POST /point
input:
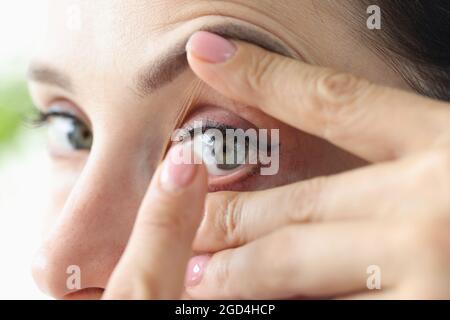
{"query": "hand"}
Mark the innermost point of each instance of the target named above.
(317, 238)
(154, 262)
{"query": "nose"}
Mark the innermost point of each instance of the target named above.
(93, 228)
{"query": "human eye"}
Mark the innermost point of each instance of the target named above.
(224, 149)
(228, 153)
(66, 132)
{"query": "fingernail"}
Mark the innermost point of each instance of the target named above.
(176, 174)
(210, 47)
(195, 270)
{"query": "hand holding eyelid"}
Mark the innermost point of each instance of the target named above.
(154, 262)
(352, 113)
(316, 238)
(349, 112)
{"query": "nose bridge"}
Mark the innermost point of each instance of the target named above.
(94, 226)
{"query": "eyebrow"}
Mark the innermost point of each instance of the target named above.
(45, 74)
(167, 67)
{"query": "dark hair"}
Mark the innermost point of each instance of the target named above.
(415, 35)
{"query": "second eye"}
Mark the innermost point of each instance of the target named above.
(66, 133)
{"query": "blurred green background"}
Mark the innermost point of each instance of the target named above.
(16, 111)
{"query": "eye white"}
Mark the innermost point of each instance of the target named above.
(59, 129)
(68, 134)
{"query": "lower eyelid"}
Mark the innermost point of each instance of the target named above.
(232, 182)
(244, 172)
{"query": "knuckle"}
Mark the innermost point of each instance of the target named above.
(335, 97)
(230, 220)
(263, 69)
(337, 89)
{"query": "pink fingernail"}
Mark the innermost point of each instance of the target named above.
(195, 270)
(210, 47)
(175, 174)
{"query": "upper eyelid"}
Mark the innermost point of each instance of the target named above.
(208, 124)
(45, 100)
(212, 124)
(43, 118)
(60, 114)
(70, 109)
(188, 129)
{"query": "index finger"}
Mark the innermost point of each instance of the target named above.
(154, 262)
(374, 122)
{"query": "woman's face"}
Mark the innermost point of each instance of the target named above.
(114, 83)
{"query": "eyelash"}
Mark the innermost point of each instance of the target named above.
(42, 118)
(211, 124)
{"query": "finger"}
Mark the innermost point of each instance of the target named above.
(154, 262)
(389, 294)
(373, 122)
(233, 219)
(311, 261)
(415, 289)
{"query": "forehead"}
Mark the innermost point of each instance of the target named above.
(102, 38)
(102, 30)
(107, 27)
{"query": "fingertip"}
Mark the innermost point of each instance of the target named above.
(210, 48)
(195, 269)
(180, 170)
(176, 174)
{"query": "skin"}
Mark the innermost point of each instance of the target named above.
(100, 194)
(395, 215)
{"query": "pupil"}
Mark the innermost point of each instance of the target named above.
(80, 138)
(86, 135)
(229, 163)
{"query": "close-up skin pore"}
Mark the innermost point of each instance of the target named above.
(115, 79)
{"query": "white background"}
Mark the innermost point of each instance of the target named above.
(23, 169)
